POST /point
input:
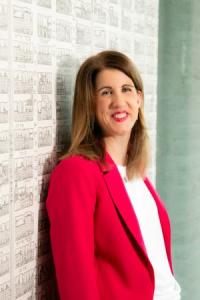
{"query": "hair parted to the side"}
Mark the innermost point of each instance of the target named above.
(86, 135)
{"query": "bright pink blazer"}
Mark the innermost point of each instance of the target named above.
(97, 245)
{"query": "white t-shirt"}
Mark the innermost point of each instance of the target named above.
(166, 286)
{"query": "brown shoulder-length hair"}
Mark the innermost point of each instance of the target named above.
(86, 135)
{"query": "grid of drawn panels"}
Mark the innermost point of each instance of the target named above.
(5, 239)
(42, 43)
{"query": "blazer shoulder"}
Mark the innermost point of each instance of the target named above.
(75, 165)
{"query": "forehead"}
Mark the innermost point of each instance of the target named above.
(112, 77)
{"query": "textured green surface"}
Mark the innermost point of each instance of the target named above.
(178, 129)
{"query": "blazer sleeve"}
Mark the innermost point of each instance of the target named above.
(70, 206)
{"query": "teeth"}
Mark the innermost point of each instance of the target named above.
(120, 116)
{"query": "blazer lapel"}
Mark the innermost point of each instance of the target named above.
(121, 200)
(164, 221)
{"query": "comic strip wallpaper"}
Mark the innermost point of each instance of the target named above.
(42, 43)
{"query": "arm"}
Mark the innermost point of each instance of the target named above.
(70, 205)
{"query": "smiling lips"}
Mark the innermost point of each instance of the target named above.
(120, 116)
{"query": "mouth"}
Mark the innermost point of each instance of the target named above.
(120, 116)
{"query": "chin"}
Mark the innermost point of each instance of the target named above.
(123, 133)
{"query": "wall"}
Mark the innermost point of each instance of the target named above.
(42, 43)
(178, 128)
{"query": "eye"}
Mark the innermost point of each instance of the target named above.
(106, 92)
(126, 89)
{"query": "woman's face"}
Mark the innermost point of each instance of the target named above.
(117, 103)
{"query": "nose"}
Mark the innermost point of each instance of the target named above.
(117, 99)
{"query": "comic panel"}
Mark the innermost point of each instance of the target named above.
(113, 40)
(23, 52)
(24, 284)
(23, 108)
(83, 34)
(45, 3)
(23, 195)
(44, 26)
(63, 30)
(126, 20)
(23, 20)
(4, 202)
(4, 168)
(24, 254)
(100, 37)
(63, 82)
(4, 16)
(64, 7)
(23, 82)
(100, 11)
(45, 136)
(113, 15)
(24, 225)
(4, 262)
(4, 234)
(64, 58)
(4, 109)
(3, 49)
(44, 83)
(44, 55)
(23, 139)
(5, 291)
(4, 81)
(83, 9)
(4, 142)
(44, 107)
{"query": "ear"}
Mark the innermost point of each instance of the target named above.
(139, 98)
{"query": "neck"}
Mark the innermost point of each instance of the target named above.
(117, 148)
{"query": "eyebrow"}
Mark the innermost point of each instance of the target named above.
(110, 87)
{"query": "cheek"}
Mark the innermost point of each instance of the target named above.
(135, 103)
(101, 107)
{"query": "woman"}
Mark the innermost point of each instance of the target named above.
(110, 232)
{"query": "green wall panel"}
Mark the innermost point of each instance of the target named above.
(178, 135)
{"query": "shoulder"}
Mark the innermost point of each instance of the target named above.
(73, 181)
(76, 166)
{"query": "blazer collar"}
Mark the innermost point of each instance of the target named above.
(122, 203)
(121, 199)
